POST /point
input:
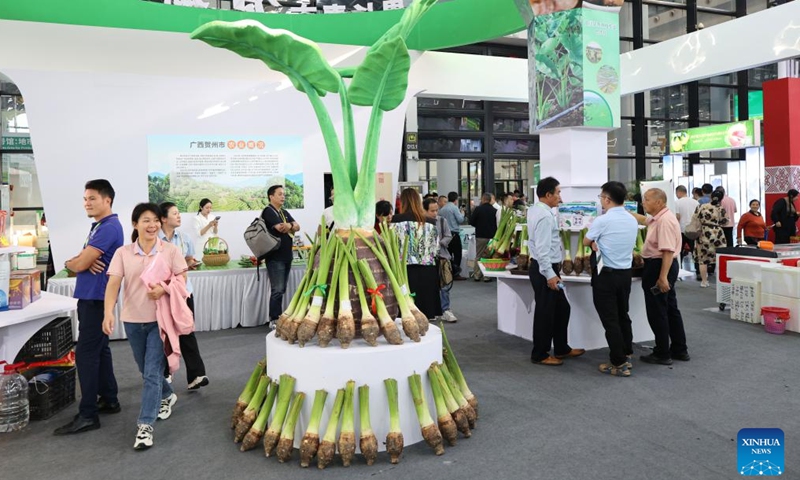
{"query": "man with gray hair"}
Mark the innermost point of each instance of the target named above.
(661, 251)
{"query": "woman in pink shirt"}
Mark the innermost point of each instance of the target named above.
(139, 313)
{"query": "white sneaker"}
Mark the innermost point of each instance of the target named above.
(448, 316)
(166, 407)
(198, 382)
(144, 437)
(169, 379)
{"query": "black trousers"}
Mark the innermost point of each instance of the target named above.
(93, 359)
(550, 316)
(611, 290)
(752, 240)
(663, 314)
(728, 231)
(190, 352)
(455, 248)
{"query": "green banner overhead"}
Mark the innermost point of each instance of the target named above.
(726, 136)
(449, 24)
(574, 69)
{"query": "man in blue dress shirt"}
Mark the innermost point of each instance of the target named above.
(613, 236)
(552, 310)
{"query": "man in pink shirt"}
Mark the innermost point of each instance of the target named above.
(661, 251)
(729, 205)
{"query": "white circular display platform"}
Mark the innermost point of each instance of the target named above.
(330, 368)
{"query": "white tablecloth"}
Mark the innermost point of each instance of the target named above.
(222, 298)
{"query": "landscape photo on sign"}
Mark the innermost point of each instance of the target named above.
(233, 171)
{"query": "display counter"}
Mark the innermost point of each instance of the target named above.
(224, 297)
(331, 367)
(18, 326)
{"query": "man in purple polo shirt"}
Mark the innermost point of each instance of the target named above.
(92, 355)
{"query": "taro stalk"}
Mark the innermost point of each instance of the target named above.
(347, 436)
(463, 404)
(410, 324)
(285, 390)
(250, 413)
(308, 327)
(446, 424)
(310, 442)
(286, 442)
(369, 325)
(380, 82)
(345, 323)
(256, 432)
(298, 294)
(389, 328)
(462, 424)
(247, 393)
(430, 432)
(368, 442)
(328, 446)
(394, 439)
(327, 324)
(455, 371)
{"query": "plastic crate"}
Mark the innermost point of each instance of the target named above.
(52, 341)
(48, 398)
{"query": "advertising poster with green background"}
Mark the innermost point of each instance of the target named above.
(234, 171)
(575, 77)
(601, 71)
(724, 136)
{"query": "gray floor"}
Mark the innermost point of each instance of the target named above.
(569, 422)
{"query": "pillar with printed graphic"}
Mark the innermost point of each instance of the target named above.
(781, 140)
(574, 89)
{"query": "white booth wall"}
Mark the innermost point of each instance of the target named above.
(93, 95)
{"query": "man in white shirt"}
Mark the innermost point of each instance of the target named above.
(684, 211)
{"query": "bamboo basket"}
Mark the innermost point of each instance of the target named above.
(216, 257)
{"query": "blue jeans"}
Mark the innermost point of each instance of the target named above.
(444, 294)
(278, 272)
(148, 351)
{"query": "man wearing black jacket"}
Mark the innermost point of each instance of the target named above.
(485, 223)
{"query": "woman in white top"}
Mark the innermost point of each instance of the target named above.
(205, 224)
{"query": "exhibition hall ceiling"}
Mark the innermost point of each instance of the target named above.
(448, 24)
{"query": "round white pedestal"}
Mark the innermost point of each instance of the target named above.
(330, 368)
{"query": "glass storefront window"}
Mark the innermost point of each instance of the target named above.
(511, 125)
(516, 146)
(623, 170)
(663, 22)
(716, 104)
(12, 115)
(670, 102)
(469, 124)
(711, 19)
(445, 145)
(449, 103)
(427, 173)
(19, 171)
(620, 142)
(517, 174)
(757, 76)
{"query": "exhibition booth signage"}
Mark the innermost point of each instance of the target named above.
(574, 68)
(724, 136)
(17, 143)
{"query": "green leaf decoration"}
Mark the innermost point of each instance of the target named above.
(382, 78)
(298, 58)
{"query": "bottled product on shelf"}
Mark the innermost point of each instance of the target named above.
(14, 407)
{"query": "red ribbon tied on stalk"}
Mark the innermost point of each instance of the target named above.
(375, 292)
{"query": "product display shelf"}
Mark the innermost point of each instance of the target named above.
(18, 326)
(330, 368)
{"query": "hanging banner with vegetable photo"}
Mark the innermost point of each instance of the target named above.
(574, 64)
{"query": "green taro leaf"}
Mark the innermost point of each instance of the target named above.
(382, 78)
(298, 58)
(546, 65)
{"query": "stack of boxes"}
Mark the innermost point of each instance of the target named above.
(755, 284)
